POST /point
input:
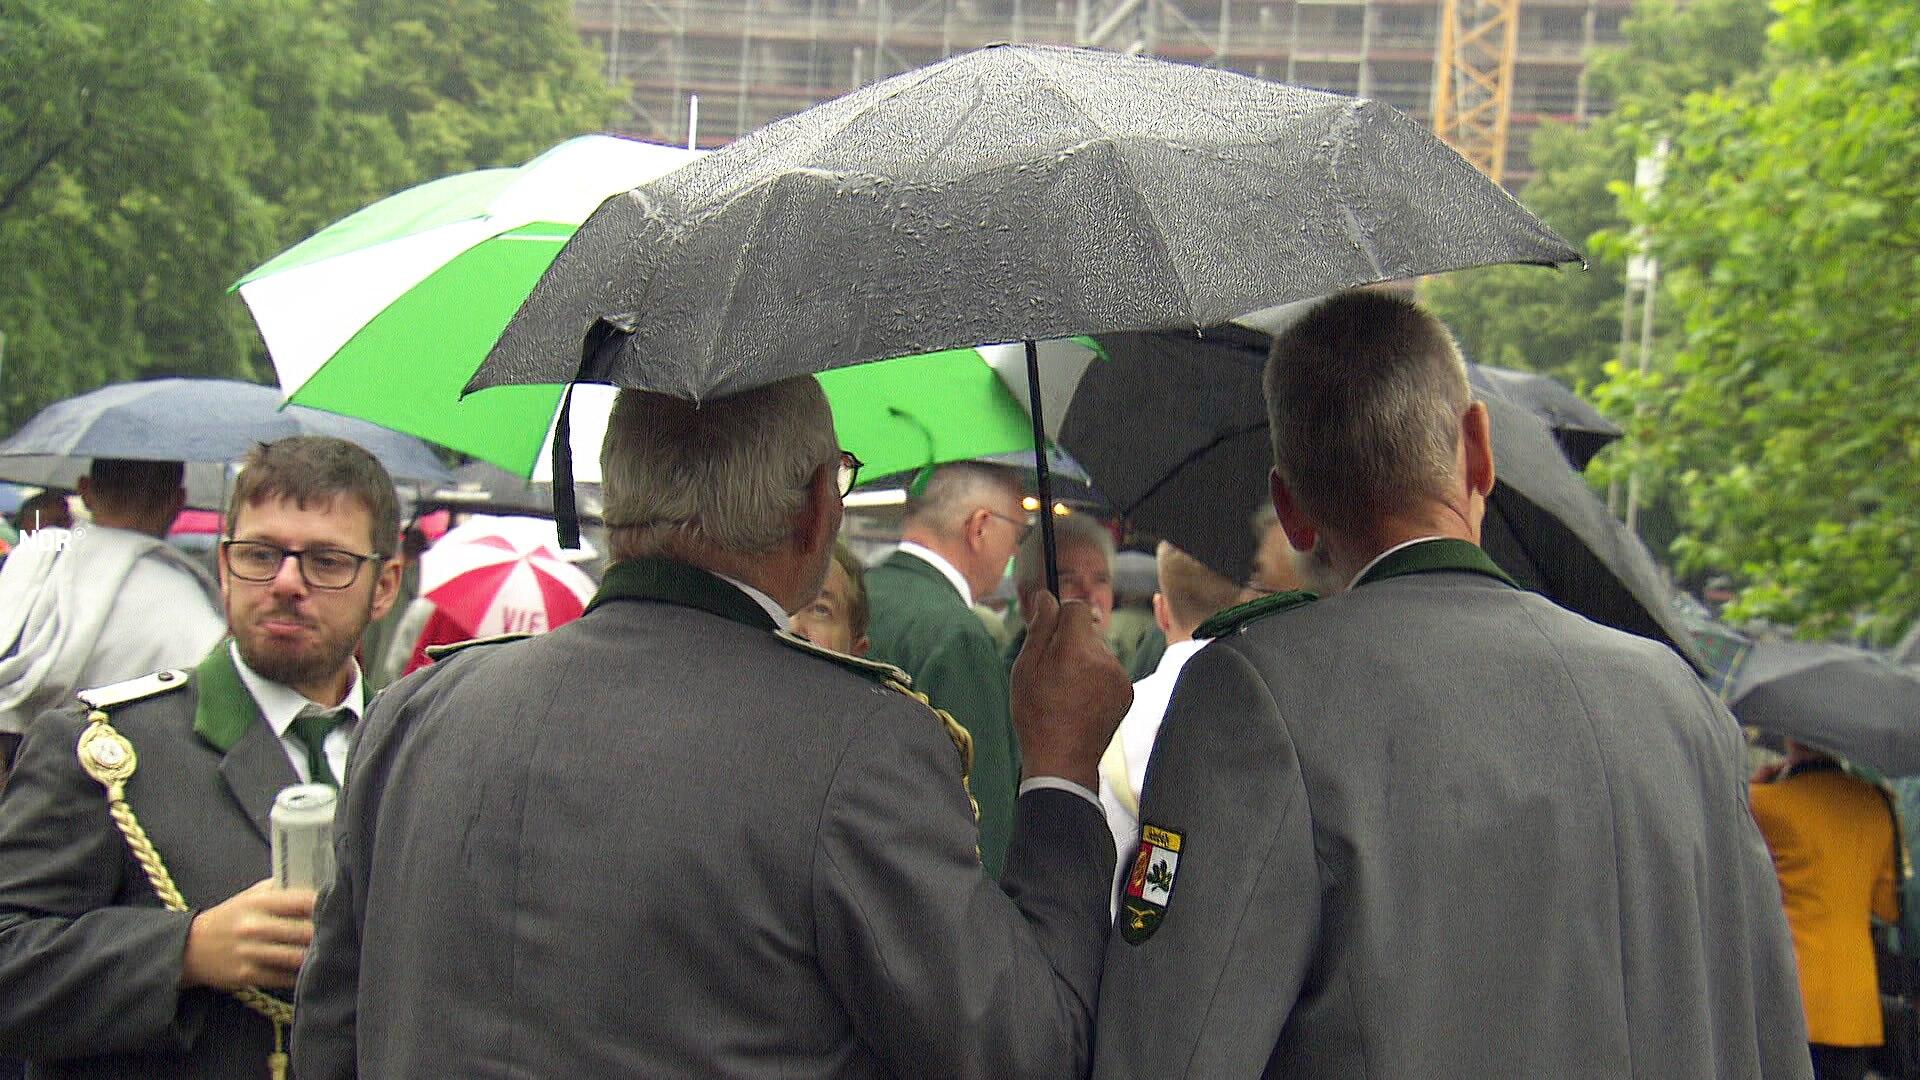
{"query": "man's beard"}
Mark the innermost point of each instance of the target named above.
(293, 667)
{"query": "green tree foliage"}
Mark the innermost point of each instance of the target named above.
(150, 154)
(1567, 324)
(1786, 425)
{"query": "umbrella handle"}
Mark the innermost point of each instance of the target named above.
(1043, 477)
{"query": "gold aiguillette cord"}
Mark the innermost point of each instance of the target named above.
(108, 757)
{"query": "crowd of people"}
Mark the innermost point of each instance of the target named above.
(765, 811)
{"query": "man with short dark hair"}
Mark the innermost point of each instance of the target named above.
(104, 602)
(137, 934)
(1435, 825)
(43, 510)
(1189, 595)
(961, 529)
(668, 839)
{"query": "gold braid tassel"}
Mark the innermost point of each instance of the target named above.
(108, 757)
(962, 742)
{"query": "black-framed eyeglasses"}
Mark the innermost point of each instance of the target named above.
(1020, 527)
(849, 472)
(320, 568)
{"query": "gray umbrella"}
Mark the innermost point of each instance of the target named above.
(1013, 193)
(1173, 430)
(482, 488)
(192, 420)
(1848, 702)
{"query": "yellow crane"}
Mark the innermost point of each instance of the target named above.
(1473, 79)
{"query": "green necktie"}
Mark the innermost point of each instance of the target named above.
(312, 727)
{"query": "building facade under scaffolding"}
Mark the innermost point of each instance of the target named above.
(750, 62)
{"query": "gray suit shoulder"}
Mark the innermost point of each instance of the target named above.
(114, 695)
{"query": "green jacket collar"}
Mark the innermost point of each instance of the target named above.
(919, 567)
(224, 710)
(671, 582)
(1435, 556)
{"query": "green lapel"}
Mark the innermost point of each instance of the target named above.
(1434, 556)
(677, 583)
(225, 710)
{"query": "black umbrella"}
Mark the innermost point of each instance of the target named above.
(191, 420)
(1848, 702)
(1173, 430)
(1013, 193)
(1576, 425)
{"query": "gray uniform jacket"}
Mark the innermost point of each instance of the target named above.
(1439, 827)
(89, 960)
(660, 842)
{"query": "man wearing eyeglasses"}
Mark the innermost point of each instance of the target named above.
(98, 977)
(962, 527)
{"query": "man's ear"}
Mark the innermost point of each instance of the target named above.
(386, 588)
(1162, 617)
(85, 490)
(973, 527)
(816, 523)
(1300, 532)
(1476, 442)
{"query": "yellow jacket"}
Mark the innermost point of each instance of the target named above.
(1832, 841)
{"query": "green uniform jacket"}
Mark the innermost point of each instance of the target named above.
(921, 625)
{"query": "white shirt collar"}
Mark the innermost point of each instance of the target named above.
(280, 703)
(1389, 551)
(934, 559)
(1177, 654)
(774, 611)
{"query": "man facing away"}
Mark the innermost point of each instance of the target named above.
(1189, 594)
(98, 978)
(1833, 840)
(1436, 826)
(961, 528)
(102, 603)
(667, 839)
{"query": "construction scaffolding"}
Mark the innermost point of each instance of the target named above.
(750, 62)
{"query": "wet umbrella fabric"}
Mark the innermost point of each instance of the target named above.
(1173, 430)
(191, 420)
(1013, 193)
(385, 313)
(1848, 702)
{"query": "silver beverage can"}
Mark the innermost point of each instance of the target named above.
(302, 826)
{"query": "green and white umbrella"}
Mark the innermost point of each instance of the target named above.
(385, 314)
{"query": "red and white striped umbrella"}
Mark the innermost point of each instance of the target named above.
(502, 575)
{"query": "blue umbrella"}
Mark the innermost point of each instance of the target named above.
(191, 420)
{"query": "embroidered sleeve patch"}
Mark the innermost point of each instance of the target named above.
(1149, 883)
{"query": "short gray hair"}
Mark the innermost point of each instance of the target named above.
(727, 474)
(1364, 397)
(954, 491)
(1073, 530)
